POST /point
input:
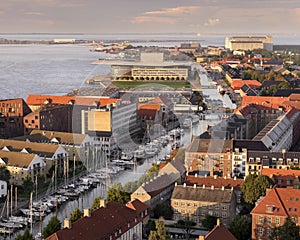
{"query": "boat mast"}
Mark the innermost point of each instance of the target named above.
(31, 220)
(8, 199)
(16, 197)
(11, 199)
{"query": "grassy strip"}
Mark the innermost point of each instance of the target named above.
(137, 84)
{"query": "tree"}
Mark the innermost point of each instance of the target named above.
(254, 187)
(4, 174)
(209, 222)
(289, 230)
(240, 227)
(96, 203)
(77, 214)
(26, 235)
(161, 229)
(163, 210)
(116, 193)
(186, 224)
(130, 187)
(53, 226)
(27, 184)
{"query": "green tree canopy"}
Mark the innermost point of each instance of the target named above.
(26, 235)
(240, 227)
(209, 222)
(53, 226)
(4, 174)
(254, 187)
(77, 214)
(116, 193)
(289, 230)
(163, 210)
(96, 203)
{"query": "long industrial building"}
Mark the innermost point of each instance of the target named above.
(249, 43)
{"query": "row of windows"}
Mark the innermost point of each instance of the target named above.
(209, 206)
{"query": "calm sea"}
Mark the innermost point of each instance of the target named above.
(57, 69)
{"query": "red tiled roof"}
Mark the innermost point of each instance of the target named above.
(282, 201)
(218, 182)
(150, 106)
(237, 84)
(268, 101)
(34, 99)
(219, 232)
(137, 205)
(283, 174)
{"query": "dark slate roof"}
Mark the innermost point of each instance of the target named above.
(285, 92)
(202, 194)
(250, 145)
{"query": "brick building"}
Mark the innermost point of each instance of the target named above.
(12, 112)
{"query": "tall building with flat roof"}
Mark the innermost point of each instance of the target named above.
(249, 43)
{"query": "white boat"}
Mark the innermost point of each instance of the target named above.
(127, 156)
(139, 154)
(187, 123)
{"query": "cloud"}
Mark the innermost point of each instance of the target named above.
(212, 22)
(165, 15)
(34, 13)
(177, 11)
(153, 19)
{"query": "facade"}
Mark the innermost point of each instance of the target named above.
(111, 221)
(12, 112)
(239, 160)
(175, 169)
(21, 164)
(285, 178)
(213, 155)
(157, 190)
(113, 125)
(249, 43)
(272, 210)
(259, 160)
(51, 154)
(3, 189)
(74, 143)
(151, 67)
(197, 202)
(52, 118)
(218, 183)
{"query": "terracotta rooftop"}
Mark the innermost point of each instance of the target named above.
(36, 99)
(217, 182)
(275, 102)
(279, 202)
(219, 232)
(237, 84)
(149, 106)
(137, 205)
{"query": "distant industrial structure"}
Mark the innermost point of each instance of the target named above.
(249, 43)
(150, 67)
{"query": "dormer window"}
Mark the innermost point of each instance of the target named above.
(269, 208)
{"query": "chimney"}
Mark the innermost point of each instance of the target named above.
(201, 237)
(195, 185)
(86, 212)
(212, 187)
(223, 188)
(234, 178)
(225, 177)
(175, 184)
(215, 176)
(218, 221)
(196, 175)
(67, 223)
(184, 185)
(203, 186)
(205, 175)
(102, 203)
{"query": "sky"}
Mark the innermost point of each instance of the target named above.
(150, 16)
